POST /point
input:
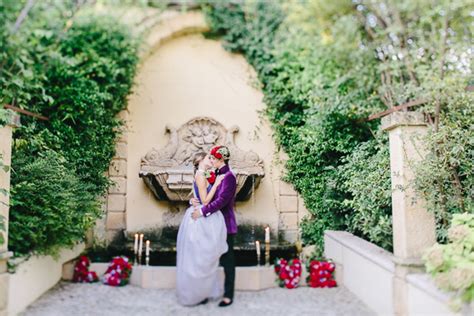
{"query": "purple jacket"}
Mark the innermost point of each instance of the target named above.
(224, 200)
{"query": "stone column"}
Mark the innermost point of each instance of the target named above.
(413, 225)
(116, 199)
(5, 153)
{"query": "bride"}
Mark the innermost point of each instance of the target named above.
(200, 243)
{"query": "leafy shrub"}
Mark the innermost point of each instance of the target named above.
(452, 264)
(366, 176)
(446, 177)
(51, 206)
(77, 71)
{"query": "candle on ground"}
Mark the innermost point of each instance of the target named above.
(135, 244)
(147, 249)
(140, 247)
(267, 234)
(257, 246)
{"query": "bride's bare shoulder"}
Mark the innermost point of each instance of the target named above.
(199, 175)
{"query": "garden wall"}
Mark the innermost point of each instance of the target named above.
(36, 275)
(368, 270)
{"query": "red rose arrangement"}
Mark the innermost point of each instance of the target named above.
(321, 274)
(82, 273)
(118, 272)
(210, 176)
(289, 273)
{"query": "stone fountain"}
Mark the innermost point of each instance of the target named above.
(168, 172)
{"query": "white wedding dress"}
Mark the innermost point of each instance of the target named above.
(199, 246)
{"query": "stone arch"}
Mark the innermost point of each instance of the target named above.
(286, 206)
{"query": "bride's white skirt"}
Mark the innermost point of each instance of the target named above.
(199, 246)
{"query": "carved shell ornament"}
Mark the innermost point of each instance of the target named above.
(168, 172)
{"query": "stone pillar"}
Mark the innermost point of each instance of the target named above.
(413, 225)
(288, 217)
(5, 153)
(115, 221)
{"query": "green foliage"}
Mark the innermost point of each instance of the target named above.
(51, 206)
(316, 95)
(324, 67)
(366, 176)
(77, 71)
(452, 264)
(446, 177)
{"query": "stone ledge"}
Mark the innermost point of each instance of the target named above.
(253, 278)
(371, 252)
(425, 298)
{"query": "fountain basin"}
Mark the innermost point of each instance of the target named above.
(168, 172)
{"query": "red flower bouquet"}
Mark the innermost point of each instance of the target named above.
(289, 273)
(210, 176)
(118, 272)
(82, 273)
(321, 274)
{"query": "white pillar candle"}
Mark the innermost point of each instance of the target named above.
(147, 248)
(267, 234)
(140, 247)
(135, 244)
(257, 247)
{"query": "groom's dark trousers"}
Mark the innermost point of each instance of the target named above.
(228, 262)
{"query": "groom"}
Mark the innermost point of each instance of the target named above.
(223, 200)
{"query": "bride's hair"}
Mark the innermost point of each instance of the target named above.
(198, 157)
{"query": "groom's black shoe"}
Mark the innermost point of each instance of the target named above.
(204, 301)
(225, 304)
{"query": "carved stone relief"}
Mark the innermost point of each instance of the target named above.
(168, 172)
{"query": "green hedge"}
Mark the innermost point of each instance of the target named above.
(78, 77)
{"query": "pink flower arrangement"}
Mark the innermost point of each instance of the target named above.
(82, 273)
(321, 274)
(118, 273)
(289, 273)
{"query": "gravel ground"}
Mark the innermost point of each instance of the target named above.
(97, 299)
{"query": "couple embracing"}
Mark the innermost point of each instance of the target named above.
(206, 234)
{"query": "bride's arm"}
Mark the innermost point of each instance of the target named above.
(213, 190)
(201, 182)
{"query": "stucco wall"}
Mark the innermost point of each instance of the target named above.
(184, 78)
(35, 276)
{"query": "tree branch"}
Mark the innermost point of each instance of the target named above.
(23, 14)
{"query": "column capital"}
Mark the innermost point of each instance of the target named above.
(397, 119)
(13, 119)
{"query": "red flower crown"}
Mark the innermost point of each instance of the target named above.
(220, 152)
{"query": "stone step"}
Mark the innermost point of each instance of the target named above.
(162, 277)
